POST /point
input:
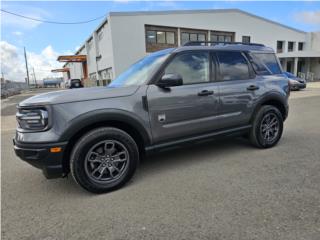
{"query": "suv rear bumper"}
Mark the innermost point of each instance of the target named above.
(40, 156)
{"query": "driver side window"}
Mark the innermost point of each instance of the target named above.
(192, 67)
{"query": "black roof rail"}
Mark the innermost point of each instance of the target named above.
(212, 43)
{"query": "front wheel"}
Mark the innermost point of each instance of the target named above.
(267, 127)
(104, 160)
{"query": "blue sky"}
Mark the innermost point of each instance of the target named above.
(45, 41)
(67, 37)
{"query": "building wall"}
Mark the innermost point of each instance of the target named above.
(128, 30)
(105, 48)
(315, 68)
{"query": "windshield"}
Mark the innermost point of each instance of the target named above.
(140, 72)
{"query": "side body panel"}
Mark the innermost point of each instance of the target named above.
(180, 112)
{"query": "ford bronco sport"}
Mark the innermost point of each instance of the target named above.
(171, 97)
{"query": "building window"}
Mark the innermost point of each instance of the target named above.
(100, 34)
(162, 37)
(222, 36)
(280, 46)
(290, 46)
(170, 38)
(158, 37)
(90, 43)
(246, 39)
(151, 37)
(300, 46)
(192, 35)
(93, 76)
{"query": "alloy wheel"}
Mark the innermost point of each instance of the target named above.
(106, 161)
(269, 128)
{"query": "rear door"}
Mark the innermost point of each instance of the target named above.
(238, 88)
(189, 109)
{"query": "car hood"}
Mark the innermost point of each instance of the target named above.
(77, 95)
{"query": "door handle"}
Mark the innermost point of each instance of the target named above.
(252, 88)
(205, 93)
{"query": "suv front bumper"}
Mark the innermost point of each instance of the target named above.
(41, 156)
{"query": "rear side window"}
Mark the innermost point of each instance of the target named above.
(233, 66)
(265, 63)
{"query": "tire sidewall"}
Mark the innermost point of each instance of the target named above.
(78, 156)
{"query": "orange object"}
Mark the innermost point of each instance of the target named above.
(60, 70)
(72, 58)
(55, 149)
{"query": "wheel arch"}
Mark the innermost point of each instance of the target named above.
(274, 100)
(95, 119)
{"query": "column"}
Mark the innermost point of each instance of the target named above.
(295, 66)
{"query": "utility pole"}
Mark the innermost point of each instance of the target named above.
(34, 75)
(25, 58)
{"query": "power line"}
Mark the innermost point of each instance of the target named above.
(52, 22)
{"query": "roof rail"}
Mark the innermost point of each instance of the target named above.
(212, 43)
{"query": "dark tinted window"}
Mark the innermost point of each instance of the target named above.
(300, 46)
(290, 46)
(265, 63)
(233, 66)
(192, 67)
(246, 39)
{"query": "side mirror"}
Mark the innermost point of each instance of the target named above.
(170, 80)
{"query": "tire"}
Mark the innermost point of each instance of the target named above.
(107, 151)
(258, 133)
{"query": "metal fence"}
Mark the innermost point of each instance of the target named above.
(11, 88)
(309, 76)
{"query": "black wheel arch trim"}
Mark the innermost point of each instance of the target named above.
(104, 115)
(273, 96)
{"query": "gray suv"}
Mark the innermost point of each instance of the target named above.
(169, 98)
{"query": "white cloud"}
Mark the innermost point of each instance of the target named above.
(17, 33)
(23, 23)
(13, 65)
(308, 17)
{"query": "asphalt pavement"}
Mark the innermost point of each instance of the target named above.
(223, 189)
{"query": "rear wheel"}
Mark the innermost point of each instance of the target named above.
(104, 160)
(267, 127)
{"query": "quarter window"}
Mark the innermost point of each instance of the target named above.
(192, 67)
(233, 66)
(265, 63)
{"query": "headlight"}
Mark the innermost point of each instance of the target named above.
(32, 119)
(292, 82)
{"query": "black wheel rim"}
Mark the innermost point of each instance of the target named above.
(106, 161)
(269, 128)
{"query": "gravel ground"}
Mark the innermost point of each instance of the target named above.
(219, 190)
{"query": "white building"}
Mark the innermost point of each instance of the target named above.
(125, 37)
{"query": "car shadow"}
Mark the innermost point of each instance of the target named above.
(164, 161)
(189, 155)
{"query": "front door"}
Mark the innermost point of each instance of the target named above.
(189, 109)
